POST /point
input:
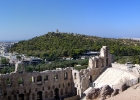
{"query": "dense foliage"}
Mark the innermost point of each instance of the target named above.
(53, 45)
(123, 59)
(50, 66)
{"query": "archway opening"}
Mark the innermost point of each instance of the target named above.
(106, 61)
(75, 91)
(21, 96)
(39, 95)
(39, 78)
(56, 91)
(90, 80)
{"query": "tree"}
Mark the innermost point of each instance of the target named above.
(18, 57)
(4, 61)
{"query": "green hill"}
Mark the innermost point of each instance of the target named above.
(53, 45)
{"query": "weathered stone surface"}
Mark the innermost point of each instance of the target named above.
(102, 93)
(106, 90)
(93, 94)
(123, 87)
(116, 91)
(50, 84)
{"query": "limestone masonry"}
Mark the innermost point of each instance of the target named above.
(52, 84)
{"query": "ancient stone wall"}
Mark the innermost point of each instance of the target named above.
(51, 84)
(30, 86)
(84, 78)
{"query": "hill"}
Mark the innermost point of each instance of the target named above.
(53, 45)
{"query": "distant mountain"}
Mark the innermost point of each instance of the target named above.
(53, 45)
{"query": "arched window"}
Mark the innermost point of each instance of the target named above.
(46, 94)
(32, 79)
(53, 86)
(68, 84)
(65, 75)
(48, 87)
(8, 82)
(74, 75)
(96, 63)
(59, 86)
(90, 78)
(20, 81)
(61, 91)
(106, 61)
(56, 77)
(51, 93)
(9, 98)
(46, 78)
(106, 52)
(66, 90)
(39, 78)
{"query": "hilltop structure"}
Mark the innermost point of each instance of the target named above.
(52, 84)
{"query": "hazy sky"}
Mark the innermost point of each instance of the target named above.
(24, 19)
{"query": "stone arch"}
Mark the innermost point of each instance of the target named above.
(21, 96)
(8, 81)
(46, 94)
(106, 61)
(48, 87)
(20, 81)
(27, 96)
(106, 51)
(90, 78)
(9, 98)
(56, 93)
(46, 78)
(68, 84)
(61, 91)
(75, 91)
(66, 90)
(56, 77)
(96, 63)
(33, 96)
(39, 78)
(63, 85)
(59, 85)
(74, 75)
(39, 95)
(32, 79)
(15, 97)
(65, 75)
(51, 93)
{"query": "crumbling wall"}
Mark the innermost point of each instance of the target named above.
(28, 85)
(96, 66)
(52, 84)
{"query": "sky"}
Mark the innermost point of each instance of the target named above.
(25, 19)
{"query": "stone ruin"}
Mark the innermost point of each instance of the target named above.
(52, 84)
